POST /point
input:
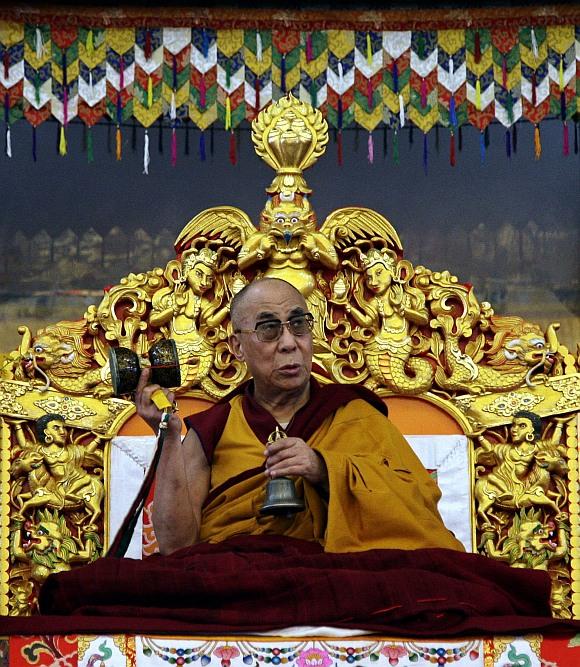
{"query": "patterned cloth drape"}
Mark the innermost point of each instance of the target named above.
(438, 72)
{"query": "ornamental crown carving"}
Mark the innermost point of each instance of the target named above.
(289, 136)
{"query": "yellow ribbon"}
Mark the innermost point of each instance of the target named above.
(118, 143)
(369, 50)
(90, 43)
(62, 141)
(149, 92)
(478, 95)
(228, 113)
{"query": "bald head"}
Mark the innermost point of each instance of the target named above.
(261, 288)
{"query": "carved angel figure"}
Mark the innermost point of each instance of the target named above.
(56, 472)
(389, 313)
(526, 470)
(188, 312)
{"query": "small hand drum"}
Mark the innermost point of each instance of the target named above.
(126, 367)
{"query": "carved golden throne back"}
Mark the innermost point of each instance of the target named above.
(504, 391)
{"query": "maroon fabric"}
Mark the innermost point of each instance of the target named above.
(324, 401)
(255, 583)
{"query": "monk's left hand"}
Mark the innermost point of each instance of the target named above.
(289, 457)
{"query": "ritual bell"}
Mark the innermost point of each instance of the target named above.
(126, 367)
(281, 497)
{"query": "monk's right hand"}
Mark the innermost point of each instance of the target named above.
(148, 411)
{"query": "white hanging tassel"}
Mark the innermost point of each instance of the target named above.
(173, 110)
(39, 44)
(401, 111)
(8, 142)
(534, 44)
(146, 157)
(340, 75)
(259, 54)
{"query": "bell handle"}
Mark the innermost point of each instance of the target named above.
(161, 401)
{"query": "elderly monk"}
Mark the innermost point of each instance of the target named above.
(362, 484)
(364, 491)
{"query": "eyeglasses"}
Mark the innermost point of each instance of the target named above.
(271, 330)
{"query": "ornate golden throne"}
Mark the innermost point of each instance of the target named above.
(445, 363)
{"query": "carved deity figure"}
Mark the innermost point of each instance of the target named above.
(56, 472)
(188, 312)
(525, 470)
(389, 313)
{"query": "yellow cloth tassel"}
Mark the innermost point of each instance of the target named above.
(90, 44)
(62, 142)
(478, 95)
(561, 73)
(228, 113)
(118, 139)
(537, 143)
(149, 92)
(369, 50)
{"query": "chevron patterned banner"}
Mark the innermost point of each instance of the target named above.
(562, 74)
(175, 86)
(451, 72)
(423, 107)
(340, 78)
(11, 75)
(313, 70)
(507, 75)
(480, 85)
(231, 78)
(368, 76)
(286, 47)
(203, 82)
(368, 63)
(65, 72)
(396, 77)
(37, 74)
(258, 71)
(148, 75)
(92, 75)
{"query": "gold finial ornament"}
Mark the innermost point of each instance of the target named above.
(289, 136)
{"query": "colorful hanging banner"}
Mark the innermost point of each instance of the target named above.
(424, 100)
(507, 74)
(231, 78)
(430, 75)
(148, 78)
(368, 79)
(258, 71)
(396, 77)
(203, 82)
(92, 75)
(480, 84)
(286, 47)
(37, 74)
(314, 69)
(340, 78)
(11, 75)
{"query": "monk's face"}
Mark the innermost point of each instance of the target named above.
(281, 365)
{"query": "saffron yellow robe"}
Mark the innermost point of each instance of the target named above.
(381, 496)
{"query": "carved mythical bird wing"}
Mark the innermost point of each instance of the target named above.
(345, 226)
(227, 223)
